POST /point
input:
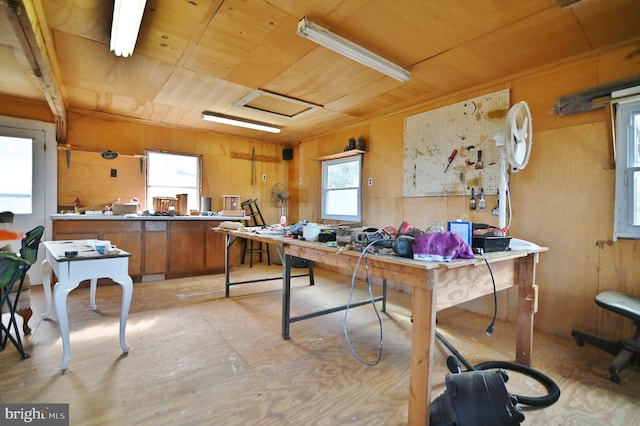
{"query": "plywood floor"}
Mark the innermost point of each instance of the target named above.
(197, 358)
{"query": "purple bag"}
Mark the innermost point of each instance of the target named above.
(441, 247)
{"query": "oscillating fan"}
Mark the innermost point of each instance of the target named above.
(515, 148)
(279, 197)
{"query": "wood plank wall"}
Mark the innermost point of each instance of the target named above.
(563, 199)
(86, 176)
(222, 173)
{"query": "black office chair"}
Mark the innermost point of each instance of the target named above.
(626, 351)
(255, 219)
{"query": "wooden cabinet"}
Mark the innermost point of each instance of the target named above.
(214, 247)
(215, 243)
(168, 248)
(127, 235)
(156, 247)
(187, 241)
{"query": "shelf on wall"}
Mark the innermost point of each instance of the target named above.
(342, 154)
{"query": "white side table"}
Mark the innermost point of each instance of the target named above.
(71, 270)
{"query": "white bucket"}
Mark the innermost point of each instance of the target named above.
(310, 231)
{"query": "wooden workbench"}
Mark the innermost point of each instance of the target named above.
(435, 285)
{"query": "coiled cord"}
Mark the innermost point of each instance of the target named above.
(363, 255)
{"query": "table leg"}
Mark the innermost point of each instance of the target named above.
(422, 346)
(227, 247)
(127, 292)
(46, 285)
(384, 295)
(60, 293)
(527, 307)
(92, 293)
(286, 293)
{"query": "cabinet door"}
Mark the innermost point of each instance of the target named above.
(155, 247)
(74, 230)
(126, 234)
(215, 249)
(187, 241)
(131, 242)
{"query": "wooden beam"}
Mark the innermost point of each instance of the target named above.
(28, 21)
(265, 158)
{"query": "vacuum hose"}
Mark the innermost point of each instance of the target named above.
(543, 401)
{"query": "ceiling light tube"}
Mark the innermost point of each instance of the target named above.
(127, 16)
(232, 121)
(351, 50)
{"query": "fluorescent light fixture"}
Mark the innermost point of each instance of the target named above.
(127, 16)
(351, 50)
(232, 121)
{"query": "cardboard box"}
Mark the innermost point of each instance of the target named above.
(124, 208)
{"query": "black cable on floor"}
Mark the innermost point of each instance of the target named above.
(495, 300)
(363, 255)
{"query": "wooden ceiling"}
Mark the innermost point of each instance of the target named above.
(206, 55)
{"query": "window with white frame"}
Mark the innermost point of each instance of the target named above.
(342, 189)
(16, 174)
(169, 174)
(627, 195)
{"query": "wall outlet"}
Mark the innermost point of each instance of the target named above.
(264, 178)
(370, 181)
(300, 181)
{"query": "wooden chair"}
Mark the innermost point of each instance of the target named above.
(626, 351)
(255, 219)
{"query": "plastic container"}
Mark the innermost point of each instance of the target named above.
(343, 236)
(310, 231)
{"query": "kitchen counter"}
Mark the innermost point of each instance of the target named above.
(161, 247)
(77, 216)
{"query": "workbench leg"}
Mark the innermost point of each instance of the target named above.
(312, 280)
(286, 293)
(422, 346)
(227, 248)
(527, 307)
(384, 295)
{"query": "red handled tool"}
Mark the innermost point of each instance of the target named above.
(451, 157)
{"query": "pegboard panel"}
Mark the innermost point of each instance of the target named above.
(467, 127)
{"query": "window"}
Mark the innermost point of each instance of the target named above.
(341, 189)
(16, 174)
(169, 174)
(627, 197)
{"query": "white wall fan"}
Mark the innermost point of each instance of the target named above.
(514, 144)
(279, 197)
